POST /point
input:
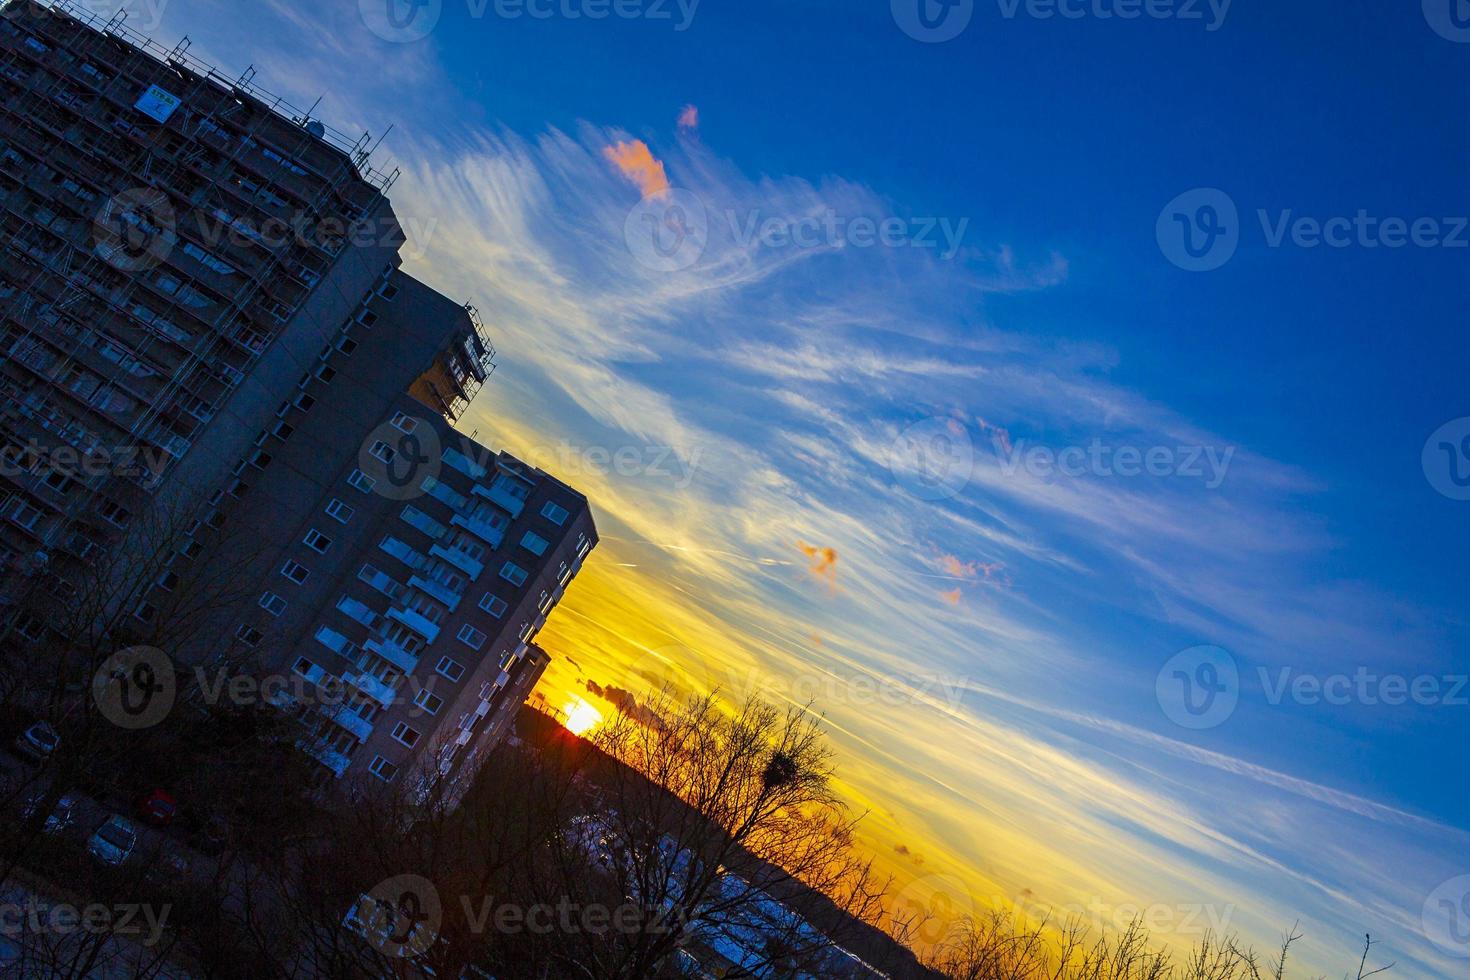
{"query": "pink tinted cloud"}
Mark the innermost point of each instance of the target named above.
(689, 117)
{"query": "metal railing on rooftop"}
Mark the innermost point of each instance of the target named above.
(357, 150)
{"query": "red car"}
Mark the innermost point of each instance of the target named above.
(157, 808)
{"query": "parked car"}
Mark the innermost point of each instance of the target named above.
(58, 819)
(114, 841)
(157, 808)
(38, 742)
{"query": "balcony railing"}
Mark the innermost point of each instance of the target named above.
(459, 560)
(416, 622)
(327, 756)
(499, 497)
(483, 530)
(438, 591)
(345, 717)
(372, 687)
(391, 652)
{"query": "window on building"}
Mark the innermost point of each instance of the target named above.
(296, 572)
(408, 736)
(249, 635)
(471, 637)
(405, 423)
(383, 769)
(361, 481)
(273, 603)
(494, 605)
(450, 668)
(429, 701)
(382, 451)
(340, 511)
(513, 573)
(317, 541)
(535, 543)
(555, 513)
(113, 514)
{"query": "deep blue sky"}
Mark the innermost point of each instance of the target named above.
(784, 380)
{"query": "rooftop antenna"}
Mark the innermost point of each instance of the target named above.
(381, 138)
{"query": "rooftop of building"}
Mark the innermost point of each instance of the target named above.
(358, 151)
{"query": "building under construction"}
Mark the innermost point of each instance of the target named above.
(187, 267)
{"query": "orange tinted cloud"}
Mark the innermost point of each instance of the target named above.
(636, 162)
(689, 117)
(824, 562)
(952, 597)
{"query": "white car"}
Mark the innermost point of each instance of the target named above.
(114, 841)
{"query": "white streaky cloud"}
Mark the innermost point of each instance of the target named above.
(780, 379)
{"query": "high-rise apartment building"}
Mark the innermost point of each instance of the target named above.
(200, 300)
(164, 228)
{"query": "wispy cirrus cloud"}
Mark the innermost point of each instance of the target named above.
(1010, 734)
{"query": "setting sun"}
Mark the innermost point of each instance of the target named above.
(581, 717)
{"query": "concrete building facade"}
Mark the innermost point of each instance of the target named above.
(204, 283)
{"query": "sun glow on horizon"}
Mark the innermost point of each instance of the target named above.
(581, 717)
